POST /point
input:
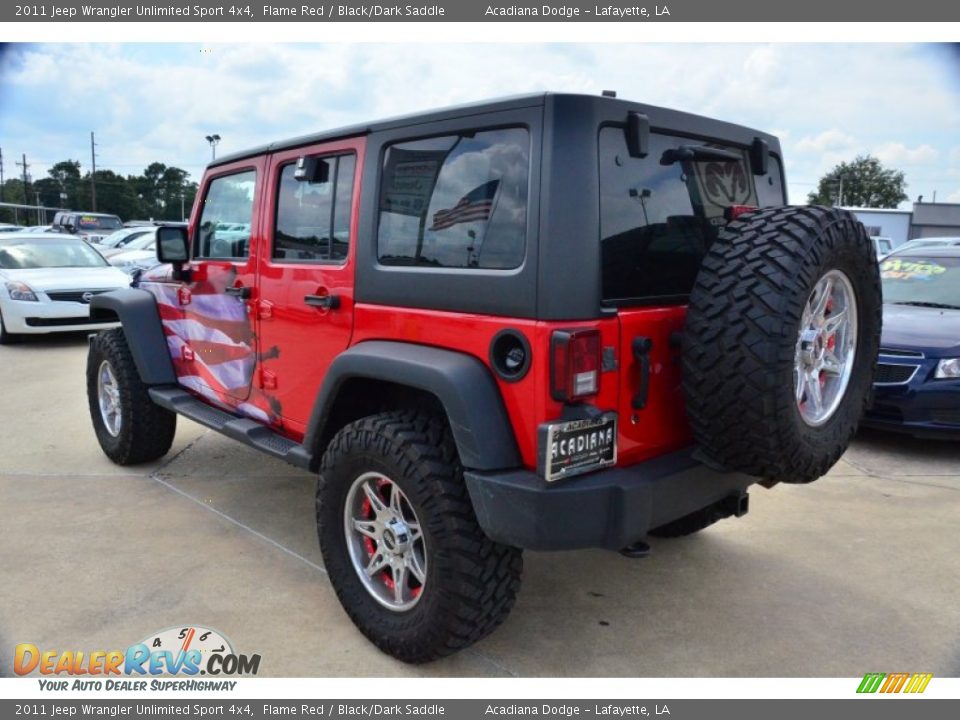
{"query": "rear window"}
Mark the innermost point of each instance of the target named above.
(96, 222)
(456, 201)
(659, 214)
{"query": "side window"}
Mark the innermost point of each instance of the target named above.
(313, 218)
(456, 201)
(224, 230)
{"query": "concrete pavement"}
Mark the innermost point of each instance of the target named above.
(857, 572)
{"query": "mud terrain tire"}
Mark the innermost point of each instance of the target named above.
(471, 582)
(141, 431)
(743, 341)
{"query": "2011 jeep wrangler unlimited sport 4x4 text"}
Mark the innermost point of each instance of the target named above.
(546, 322)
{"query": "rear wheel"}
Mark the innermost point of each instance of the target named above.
(401, 543)
(780, 343)
(130, 427)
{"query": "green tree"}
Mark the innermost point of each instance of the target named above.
(66, 173)
(115, 194)
(865, 182)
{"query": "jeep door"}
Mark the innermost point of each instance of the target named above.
(213, 345)
(305, 309)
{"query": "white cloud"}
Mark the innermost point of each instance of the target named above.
(898, 154)
(157, 102)
(832, 140)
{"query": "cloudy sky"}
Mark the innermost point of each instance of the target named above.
(827, 102)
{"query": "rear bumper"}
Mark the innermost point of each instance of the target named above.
(609, 509)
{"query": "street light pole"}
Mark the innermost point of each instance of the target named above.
(214, 141)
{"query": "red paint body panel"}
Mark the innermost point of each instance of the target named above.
(661, 426)
(297, 342)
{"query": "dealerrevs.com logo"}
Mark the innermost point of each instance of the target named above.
(178, 651)
(894, 682)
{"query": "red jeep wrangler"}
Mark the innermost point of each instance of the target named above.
(546, 322)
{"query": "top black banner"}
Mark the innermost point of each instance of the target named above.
(486, 11)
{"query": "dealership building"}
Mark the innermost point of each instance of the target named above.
(924, 220)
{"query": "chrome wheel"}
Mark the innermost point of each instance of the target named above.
(385, 541)
(108, 397)
(826, 347)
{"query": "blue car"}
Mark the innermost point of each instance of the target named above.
(917, 388)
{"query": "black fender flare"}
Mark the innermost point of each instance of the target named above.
(464, 386)
(137, 311)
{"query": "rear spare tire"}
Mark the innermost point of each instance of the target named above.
(781, 340)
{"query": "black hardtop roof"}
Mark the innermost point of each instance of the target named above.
(506, 103)
(667, 118)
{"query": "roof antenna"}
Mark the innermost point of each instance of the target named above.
(609, 93)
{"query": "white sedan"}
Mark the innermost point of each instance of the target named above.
(136, 256)
(47, 281)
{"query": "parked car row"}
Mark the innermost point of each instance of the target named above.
(47, 281)
(917, 388)
(48, 278)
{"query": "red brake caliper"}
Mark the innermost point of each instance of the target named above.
(366, 510)
(831, 341)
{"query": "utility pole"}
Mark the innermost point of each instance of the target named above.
(24, 166)
(93, 174)
(840, 198)
(25, 196)
(1, 174)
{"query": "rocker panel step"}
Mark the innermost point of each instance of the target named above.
(247, 431)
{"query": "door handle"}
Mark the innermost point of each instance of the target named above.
(327, 302)
(241, 292)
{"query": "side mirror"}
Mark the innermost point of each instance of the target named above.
(312, 170)
(173, 246)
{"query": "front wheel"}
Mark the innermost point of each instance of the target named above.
(130, 427)
(401, 543)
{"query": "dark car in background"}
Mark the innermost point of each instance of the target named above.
(92, 227)
(917, 386)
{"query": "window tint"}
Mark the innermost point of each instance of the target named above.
(226, 216)
(313, 219)
(920, 279)
(457, 201)
(659, 214)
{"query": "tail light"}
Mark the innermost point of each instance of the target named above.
(574, 364)
(732, 212)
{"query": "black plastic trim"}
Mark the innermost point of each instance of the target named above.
(245, 430)
(610, 509)
(463, 385)
(137, 311)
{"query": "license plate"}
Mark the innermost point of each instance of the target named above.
(577, 446)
